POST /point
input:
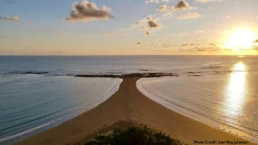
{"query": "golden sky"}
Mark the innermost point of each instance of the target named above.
(135, 27)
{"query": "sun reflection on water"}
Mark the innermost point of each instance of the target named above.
(236, 90)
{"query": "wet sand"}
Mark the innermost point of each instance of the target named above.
(126, 107)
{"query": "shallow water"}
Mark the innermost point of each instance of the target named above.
(32, 103)
(227, 101)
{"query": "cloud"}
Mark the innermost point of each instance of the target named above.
(159, 45)
(184, 33)
(138, 43)
(86, 11)
(148, 33)
(116, 33)
(165, 46)
(256, 41)
(15, 18)
(226, 17)
(212, 44)
(110, 34)
(182, 5)
(139, 23)
(144, 28)
(152, 23)
(147, 24)
(156, 1)
(199, 31)
(190, 44)
(162, 8)
(195, 15)
(255, 45)
(199, 49)
(206, 1)
(185, 45)
(255, 48)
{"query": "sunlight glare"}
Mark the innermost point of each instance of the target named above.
(242, 39)
(236, 90)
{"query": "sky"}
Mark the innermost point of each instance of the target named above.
(128, 27)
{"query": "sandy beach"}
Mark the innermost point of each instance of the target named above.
(126, 107)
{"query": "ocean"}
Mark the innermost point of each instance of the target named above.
(40, 92)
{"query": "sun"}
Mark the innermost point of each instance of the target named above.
(241, 40)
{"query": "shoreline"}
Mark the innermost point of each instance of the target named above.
(126, 107)
(143, 74)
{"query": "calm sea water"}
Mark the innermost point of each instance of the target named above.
(33, 102)
(111, 64)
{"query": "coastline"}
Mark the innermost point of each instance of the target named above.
(126, 107)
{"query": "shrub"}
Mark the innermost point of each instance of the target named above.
(133, 136)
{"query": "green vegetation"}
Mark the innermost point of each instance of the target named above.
(133, 136)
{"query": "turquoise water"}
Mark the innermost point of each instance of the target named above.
(33, 103)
